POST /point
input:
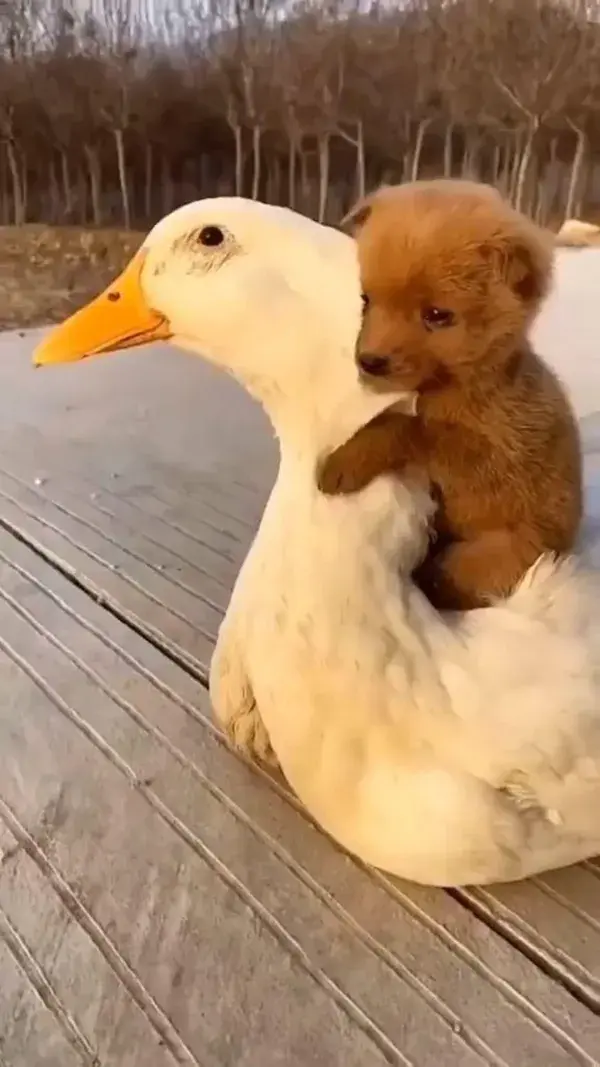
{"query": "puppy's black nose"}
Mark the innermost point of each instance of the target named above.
(369, 363)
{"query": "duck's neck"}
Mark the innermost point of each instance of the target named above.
(315, 421)
(387, 517)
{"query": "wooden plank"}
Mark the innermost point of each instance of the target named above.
(183, 557)
(547, 918)
(30, 1033)
(558, 917)
(152, 786)
(93, 564)
(184, 935)
(146, 490)
(182, 916)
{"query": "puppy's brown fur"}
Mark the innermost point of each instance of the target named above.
(494, 433)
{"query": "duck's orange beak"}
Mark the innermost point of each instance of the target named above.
(118, 318)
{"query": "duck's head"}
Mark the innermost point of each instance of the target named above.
(267, 294)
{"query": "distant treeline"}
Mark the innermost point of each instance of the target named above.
(117, 113)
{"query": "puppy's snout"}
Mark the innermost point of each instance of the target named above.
(376, 365)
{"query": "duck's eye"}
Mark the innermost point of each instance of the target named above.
(365, 301)
(211, 236)
(437, 318)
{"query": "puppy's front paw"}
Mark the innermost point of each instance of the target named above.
(337, 475)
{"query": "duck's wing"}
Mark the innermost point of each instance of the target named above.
(526, 690)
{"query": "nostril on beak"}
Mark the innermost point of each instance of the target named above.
(371, 364)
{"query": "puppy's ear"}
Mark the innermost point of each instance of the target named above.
(524, 258)
(357, 216)
(529, 263)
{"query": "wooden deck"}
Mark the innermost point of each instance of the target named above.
(161, 902)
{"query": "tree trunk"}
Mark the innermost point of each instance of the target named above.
(239, 159)
(6, 200)
(514, 167)
(204, 174)
(6, 216)
(416, 160)
(543, 198)
(256, 160)
(588, 185)
(274, 181)
(166, 182)
(304, 177)
(496, 164)
(17, 192)
(552, 184)
(82, 197)
(24, 186)
(582, 199)
(148, 175)
(504, 171)
(324, 159)
(464, 166)
(361, 169)
(292, 168)
(576, 171)
(53, 192)
(448, 150)
(470, 163)
(66, 184)
(93, 166)
(524, 164)
(122, 171)
(532, 188)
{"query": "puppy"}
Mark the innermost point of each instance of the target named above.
(452, 278)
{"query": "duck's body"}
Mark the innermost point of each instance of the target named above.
(444, 750)
(485, 768)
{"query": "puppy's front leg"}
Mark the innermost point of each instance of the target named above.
(233, 700)
(386, 444)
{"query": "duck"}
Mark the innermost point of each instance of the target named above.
(576, 233)
(448, 750)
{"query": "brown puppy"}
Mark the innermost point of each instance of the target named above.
(452, 279)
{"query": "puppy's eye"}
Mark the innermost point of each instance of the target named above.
(211, 236)
(437, 318)
(365, 301)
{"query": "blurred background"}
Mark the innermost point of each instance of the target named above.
(113, 112)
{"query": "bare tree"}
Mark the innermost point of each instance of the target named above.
(528, 48)
(109, 116)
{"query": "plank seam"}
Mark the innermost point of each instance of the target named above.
(128, 977)
(45, 991)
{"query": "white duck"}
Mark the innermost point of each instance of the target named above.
(447, 751)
